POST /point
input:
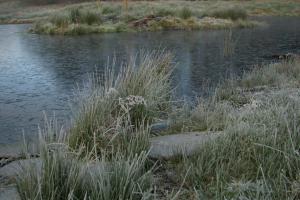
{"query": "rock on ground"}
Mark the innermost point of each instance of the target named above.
(185, 143)
(11, 170)
(9, 193)
(159, 127)
(17, 150)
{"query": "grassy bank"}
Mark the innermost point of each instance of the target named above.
(14, 11)
(140, 17)
(256, 157)
(98, 17)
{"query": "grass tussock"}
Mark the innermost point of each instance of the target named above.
(76, 16)
(63, 175)
(185, 13)
(122, 104)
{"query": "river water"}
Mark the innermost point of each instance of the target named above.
(38, 73)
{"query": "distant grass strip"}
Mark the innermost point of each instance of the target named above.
(17, 11)
(78, 21)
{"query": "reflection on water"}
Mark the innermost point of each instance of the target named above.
(38, 72)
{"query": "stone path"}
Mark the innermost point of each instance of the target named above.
(185, 143)
(12, 169)
(9, 193)
(157, 128)
(16, 150)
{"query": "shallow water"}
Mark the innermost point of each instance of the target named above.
(38, 73)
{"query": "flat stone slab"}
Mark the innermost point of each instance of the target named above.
(9, 193)
(185, 143)
(158, 127)
(17, 150)
(14, 168)
(9, 172)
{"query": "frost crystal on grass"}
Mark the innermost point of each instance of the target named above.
(131, 101)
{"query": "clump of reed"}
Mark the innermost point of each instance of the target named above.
(229, 44)
(75, 16)
(136, 96)
(64, 173)
(185, 13)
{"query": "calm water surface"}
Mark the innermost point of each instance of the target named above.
(38, 73)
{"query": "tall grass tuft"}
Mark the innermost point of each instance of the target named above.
(75, 15)
(122, 179)
(60, 21)
(229, 44)
(91, 18)
(64, 174)
(185, 13)
(134, 97)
